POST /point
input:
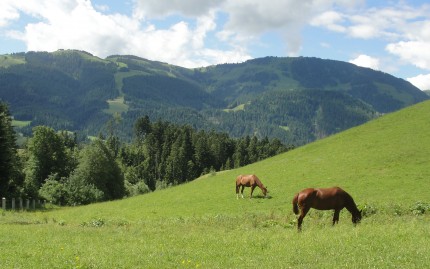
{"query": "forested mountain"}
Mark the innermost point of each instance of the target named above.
(296, 100)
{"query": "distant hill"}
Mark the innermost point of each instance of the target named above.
(296, 100)
(241, 82)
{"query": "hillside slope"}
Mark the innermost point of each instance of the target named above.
(383, 163)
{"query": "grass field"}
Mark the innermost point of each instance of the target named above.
(120, 76)
(383, 164)
(237, 108)
(20, 123)
(116, 106)
(9, 60)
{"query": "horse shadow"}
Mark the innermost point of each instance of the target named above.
(261, 197)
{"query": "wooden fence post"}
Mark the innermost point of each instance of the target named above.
(13, 203)
(21, 206)
(28, 204)
(3, 203)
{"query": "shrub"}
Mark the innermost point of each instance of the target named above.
(367, 210)
(94, 223)
(420, 208)
(136, 189)
(79, 192)
(53, 190)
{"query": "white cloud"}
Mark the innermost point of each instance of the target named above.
(366, 61)
(331, 20)
(183, 45)
(7, 13)
(414, 52)
(103, 8)
(287, 17)
(405, 28)
(161, 8)
(364, 31)
(247, 19)
(421, 81)
(214, 31)
(389, 23)
(76, 24)
(414, 45)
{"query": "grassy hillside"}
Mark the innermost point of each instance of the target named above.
(9, 60)
(383, 164)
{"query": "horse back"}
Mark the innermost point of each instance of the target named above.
(331, 198)
(326, 193)
(306, 196)
(247, 180)
(323, 198)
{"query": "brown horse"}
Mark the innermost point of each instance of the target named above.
(325, 199)
(249, 181)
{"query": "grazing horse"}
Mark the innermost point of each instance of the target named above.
(324, 199)
(249, 181)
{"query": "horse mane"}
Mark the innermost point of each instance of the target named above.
(350, 204)
(257, 180)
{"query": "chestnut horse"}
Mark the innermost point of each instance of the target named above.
(325, 199)
(249, 181)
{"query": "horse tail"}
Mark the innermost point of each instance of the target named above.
(295, 206)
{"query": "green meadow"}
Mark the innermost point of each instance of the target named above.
(20, 124)
(383, 164)
(9, 60)
(237, 108)
(116, 106)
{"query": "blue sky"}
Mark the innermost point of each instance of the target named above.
(390, 36)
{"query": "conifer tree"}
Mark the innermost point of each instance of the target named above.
(8, 157)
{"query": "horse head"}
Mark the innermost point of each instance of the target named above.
(265, 191)
(356, 218)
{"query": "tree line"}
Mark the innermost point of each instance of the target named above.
(56, 167)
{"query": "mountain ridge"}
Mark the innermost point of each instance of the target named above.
(74, 90)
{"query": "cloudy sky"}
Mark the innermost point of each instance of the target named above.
(391, 36)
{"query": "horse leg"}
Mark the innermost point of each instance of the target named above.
(303, 211)
(241, 191)
(336, 216)
(237, 191)
(252, 190)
